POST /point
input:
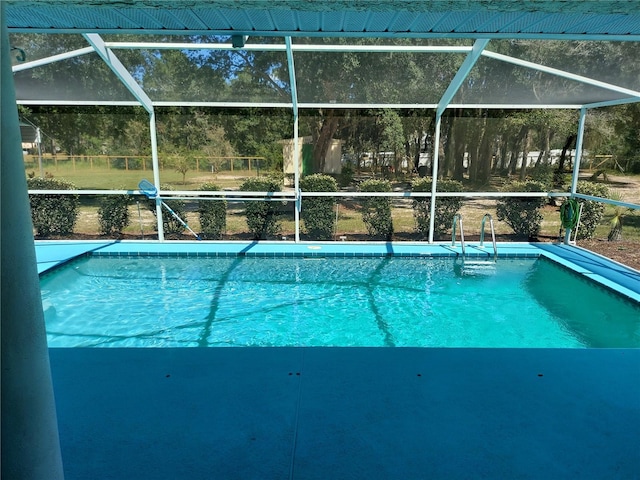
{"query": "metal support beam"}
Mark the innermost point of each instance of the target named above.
(156, 172)
(434, 177)
(119, 69)
(52, 59)
(579, 144)
(561, 73)
(576, 164)
(447, 96)
(300, 47)
(461, 75)
(610, 103)
(296, 140)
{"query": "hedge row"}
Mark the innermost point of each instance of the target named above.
(56, 215)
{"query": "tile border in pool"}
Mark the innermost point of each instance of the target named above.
(606, 272)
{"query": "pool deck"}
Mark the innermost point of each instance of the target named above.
(348, 413)
(342, 413)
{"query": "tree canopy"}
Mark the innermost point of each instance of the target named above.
(475, 142)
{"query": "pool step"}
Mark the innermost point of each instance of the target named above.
(479, 267)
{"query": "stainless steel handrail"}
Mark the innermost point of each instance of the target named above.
(457, 218)
(493, 234)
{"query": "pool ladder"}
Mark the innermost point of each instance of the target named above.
(475, 266)
(493, 235)
(457, 219)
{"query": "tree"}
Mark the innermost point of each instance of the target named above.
(212, 214)
(318, 212)
(522, 214)
(263, 215)
(350, 77)
(376, 211)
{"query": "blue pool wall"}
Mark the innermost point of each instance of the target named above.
(611, 274)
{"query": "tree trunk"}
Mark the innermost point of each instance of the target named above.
(558, 180)
(499, 164)
(475, 142)
(513, 163)
(567, 147)
(525, 153)
(547, 147)
(540, 157)
(328, 129)
(485, 156)
(448, 134)
(416, 158)
(615, 234)
(458, 151)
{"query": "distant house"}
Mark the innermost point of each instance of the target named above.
(332, 162)
(29, 134)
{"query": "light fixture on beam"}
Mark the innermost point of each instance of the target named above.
(238, 40)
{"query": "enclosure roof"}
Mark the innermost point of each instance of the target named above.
(498, 63)
(613, 19)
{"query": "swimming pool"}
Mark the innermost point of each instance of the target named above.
(187, 301)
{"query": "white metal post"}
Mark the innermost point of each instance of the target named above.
(30, 443)
(462, 73)
(296, 176)
(434, 177)
(156, 172)
(576, 164)
(579, 143)
(296, 140)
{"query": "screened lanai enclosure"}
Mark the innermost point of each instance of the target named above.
(224, 111)
(235, 123)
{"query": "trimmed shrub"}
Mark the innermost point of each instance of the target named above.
(113, 214)
(262, 216)
(53, 214)
(347, 174)
(543, 173)
(446, 207)
(170, 224)
(522, 214)
(213, 215)
(592, 211)
(318, 212)
(376, 211)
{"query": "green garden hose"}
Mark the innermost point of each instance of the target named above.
(569, 213)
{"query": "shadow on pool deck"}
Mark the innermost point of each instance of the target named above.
(320, 413)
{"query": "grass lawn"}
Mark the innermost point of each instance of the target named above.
(87, 177)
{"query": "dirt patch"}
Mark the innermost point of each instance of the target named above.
(625, 252)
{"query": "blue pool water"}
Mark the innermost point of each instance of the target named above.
(238, 301)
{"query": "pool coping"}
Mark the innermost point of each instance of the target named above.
(612, 275)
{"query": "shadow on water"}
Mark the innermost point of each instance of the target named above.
(217, 294)
(213, 317)
(374, 281)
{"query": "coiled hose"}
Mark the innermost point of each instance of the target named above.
(569, 211)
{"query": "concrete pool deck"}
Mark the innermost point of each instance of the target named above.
(319, 413)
